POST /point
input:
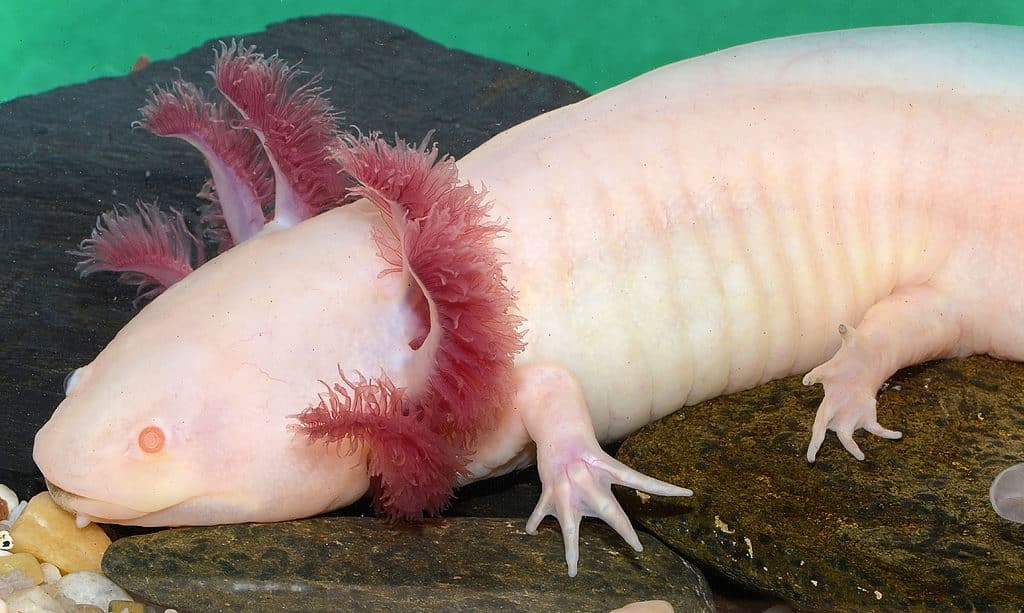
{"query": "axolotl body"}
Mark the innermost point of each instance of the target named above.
(843, 203)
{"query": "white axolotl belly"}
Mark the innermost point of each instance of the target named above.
(844, 203)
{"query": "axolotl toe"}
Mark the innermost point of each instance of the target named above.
(841, 204)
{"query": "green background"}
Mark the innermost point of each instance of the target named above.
(596, 44)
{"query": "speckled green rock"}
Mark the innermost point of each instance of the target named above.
(910, 528)
(366, 564)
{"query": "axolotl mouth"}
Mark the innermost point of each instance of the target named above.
(87, 510)
(195, 510)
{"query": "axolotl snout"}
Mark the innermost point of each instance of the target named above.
(845, 204)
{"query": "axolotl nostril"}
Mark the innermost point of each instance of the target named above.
(846, 204)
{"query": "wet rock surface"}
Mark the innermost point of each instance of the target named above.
(910, 528)
(70, 154)
(364, 564)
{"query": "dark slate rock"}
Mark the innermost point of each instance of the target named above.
(69, 154)
(365, 564)
(910, 528)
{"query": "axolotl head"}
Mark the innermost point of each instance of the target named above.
(239, 394)
(363, 338)
(187, 417)
(148, 444)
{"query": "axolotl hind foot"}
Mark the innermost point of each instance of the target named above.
(909, 326)
(849, 404)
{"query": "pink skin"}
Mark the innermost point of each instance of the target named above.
(699, 230)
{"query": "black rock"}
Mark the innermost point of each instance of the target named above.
(909, 529)
(70, 154)
(366, 564)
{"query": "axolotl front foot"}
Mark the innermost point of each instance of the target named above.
(575, 473)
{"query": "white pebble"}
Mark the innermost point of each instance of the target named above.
(33, 600)
(14, 581)
(50, 572)
(16, 511)
(5, 540)
(86, 587)
(3, 606)
(8, 496)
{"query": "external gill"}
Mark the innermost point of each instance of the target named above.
(151, 249)
(274, 141)
(242, 183)
(296, 125)
(437, 233)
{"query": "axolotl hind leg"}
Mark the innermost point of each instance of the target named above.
(909, 326)
(576, 474)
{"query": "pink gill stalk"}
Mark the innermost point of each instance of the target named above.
(242, 182)
(296, 125)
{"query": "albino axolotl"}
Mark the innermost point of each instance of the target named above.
(845, 203)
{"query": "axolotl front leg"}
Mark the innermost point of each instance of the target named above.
(576, 474)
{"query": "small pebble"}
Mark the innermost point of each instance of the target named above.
(14, 582)
(16, 512)
(5, 540)
(50, 534)
(9, 501)
(34, 600)
(647, 606)
(24, 563)
(126, 606)
(50, 572)
(86, 587)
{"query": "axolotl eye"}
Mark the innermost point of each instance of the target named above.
(69, 381)
(151, 439)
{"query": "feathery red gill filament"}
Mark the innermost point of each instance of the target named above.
(439, 234)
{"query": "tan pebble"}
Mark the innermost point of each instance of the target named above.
(50, 572)
(122, 606)
(24, 562)
(8, 500)
(3, 606)
(49, 533)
